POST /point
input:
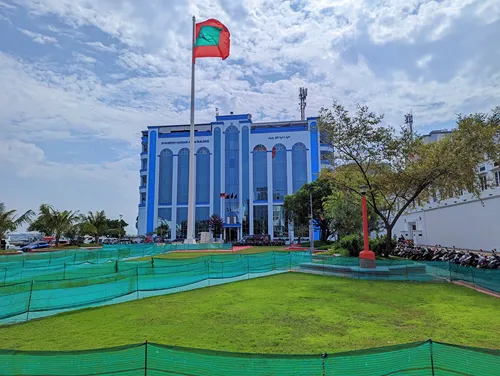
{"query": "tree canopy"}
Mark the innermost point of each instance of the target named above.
(10, 222)
(398, 167)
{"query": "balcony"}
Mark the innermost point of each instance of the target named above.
(143, 171)
(142, 188)
(144, 155)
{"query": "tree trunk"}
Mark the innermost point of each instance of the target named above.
(58, 236)
(388, 239)
(96, 239)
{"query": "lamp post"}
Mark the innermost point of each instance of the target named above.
(366, 257)
(121, 225)
(311, 228)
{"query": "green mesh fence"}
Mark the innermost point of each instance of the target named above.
(52, 265)
(90, 285)
(415, 359)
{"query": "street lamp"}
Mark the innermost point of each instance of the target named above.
(366, 257)
(121, 224)
(311, 228)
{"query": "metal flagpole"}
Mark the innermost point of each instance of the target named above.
(191, 204)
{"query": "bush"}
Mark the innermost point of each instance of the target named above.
(352, 243)
(377, 245)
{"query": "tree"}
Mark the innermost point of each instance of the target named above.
(345, 211)
(54, 222)
(163, 229)
(115, 227)
(96, 224)
(9, 221)
(216, 224)
(398, 168)
(297, 206)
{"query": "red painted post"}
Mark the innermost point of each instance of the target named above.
(365, 224)
(366, 257)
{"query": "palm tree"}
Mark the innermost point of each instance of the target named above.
(163, 228)
(216, 223)
(96, 224)
(9, 221)
(54, 222)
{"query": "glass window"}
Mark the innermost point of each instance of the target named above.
(165, 217)
(203, 176)
(279, 172)
(245, 170)
(217, 167)
(260, 173)
(497, 178)
(144, 180)
(299, 166)
(143, 164)
(280, 228)
(183, 177)
(232, 169)
(181, 225)
(166, 169)
(260, 219)
(201, 220)
(143, 198)
(144, 147)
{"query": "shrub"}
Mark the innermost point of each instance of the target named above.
(377, 245)
(352, 243)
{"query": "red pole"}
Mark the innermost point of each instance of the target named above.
(365, 224)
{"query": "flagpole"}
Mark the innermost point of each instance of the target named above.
(191, 204)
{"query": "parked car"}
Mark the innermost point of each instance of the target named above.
(35, 245)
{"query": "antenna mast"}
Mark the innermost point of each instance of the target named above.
(302, 97)
(409, 122)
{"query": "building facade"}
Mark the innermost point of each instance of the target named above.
(243, 171)
(464, 221)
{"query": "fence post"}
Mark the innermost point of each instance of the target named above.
(323, 357)
(432, 357)
(74, 258)
(248, 267)
(290, 262)
(473, 280)
(64, 271)
(29, 301)
(274, 261)
(5, 276)
(208, 264)
(116, 266)
(449, 268)
(145, 358)
(137, 280)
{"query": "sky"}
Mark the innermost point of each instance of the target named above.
(80, 79)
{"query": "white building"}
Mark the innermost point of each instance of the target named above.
(465, 222)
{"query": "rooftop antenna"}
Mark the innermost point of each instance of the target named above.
(216, 111)
(409, 122)
(302, 97)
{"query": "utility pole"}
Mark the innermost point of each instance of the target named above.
(121, 225)
(302, 97)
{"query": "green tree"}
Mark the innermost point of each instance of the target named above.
(397, 167)
(96, 224)
(115, 227)
(10, 222)
(216, 224)
(297, 206)
(163, 229)
(54, 222)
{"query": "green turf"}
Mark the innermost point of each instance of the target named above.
(289, 313)
(189, 254)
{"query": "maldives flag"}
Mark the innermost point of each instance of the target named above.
(212, 40)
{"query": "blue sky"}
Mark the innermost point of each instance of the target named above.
(81, 78)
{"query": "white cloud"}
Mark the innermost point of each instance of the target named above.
(38, 38)
(6, 6)
(84, 58)
(101, 47)
(424, 61)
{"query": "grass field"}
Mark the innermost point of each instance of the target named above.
(289, 313)
(189, 254)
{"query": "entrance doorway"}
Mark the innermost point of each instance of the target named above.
(231, 234)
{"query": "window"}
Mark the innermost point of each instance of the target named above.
(483, 182)
(217, 157)
(164, 220)
(203, 176)
(166, 169)
(143, 164)
(280, 228)
(260, 173)
(183, 177)
(201, 220)
(299, 166)
(143, 198)
(497, 178)
(181, 225)
(144, 180)
(482, 168)
(279, 172)
(232, 169)
(260, 219)
(144, 147)
(245, 170)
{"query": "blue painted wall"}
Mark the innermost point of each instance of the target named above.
(150, 215)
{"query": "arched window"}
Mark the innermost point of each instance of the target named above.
(183, 177)
(203, 176)
(260, 173)
(279, 172)
(232, 169)
(166, 169)
(299, 166)
(245, 171)
(217, 169)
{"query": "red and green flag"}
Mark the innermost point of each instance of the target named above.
(212, 40)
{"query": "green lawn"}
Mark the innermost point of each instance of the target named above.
(189, 254)
(288, 313)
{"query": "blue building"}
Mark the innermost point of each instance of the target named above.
(243, 172)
